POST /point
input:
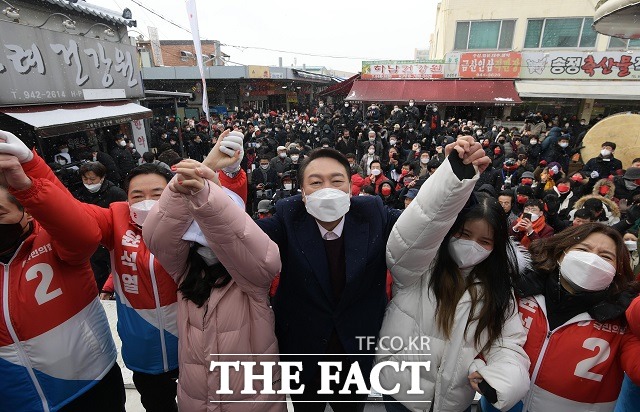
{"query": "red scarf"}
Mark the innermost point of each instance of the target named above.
(538, 225)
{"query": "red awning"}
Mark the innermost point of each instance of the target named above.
(341, 88)
(435, 91)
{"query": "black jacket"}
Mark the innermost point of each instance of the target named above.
(124, 160)
(305, 310)
(603, 167)
(113, 174)
(107, 194)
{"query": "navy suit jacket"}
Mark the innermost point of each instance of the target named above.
(304, 307)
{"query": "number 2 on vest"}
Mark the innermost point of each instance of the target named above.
(42, 294)
(583, 368)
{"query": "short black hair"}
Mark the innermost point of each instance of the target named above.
(584, 214)
(535, 202)
(350, 156)
(375, 161)
(146, 169)
(95, 167)
(321, 153)
(148, 157)
(506, 193)
(613, 145)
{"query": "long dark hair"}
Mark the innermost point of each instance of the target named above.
(545, 254)
(201, 279)
(490, 282)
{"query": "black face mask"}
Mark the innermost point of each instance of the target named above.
(10, 233)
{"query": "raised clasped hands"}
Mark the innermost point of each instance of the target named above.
(470, 151)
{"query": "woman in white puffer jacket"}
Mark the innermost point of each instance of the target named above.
(454, 268)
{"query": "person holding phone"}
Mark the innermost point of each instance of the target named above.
(532, 224)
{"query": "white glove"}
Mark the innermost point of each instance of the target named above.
(229, 146)
(595, 175)
(11, 144)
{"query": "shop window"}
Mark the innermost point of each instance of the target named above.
(560, 33)
(484, 35)
(616, 43)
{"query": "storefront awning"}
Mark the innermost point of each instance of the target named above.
(579, 89)
(460, 92)
(54, 120)
(341, 88)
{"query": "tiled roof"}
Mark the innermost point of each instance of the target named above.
(93, 10)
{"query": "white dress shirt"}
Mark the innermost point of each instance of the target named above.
(332, 234)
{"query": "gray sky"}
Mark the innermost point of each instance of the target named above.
(361, 30)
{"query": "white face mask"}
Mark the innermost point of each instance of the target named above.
(392, 142)
(564, 145)
(295, 158)
(346, 105)
(534, 217)
(122, 143)
(631, 245)
(288, 186)
(94, 187)
(533, 142)
(467, 253)
(328, 205)
(605, 152)
(424, 160)
(139, 211)
(479, 133)
(586, 272)
(321, 105)
(264, 167)
(65, 150)
(282, 155)
(410, 103)
(376, 172)
(207, 255)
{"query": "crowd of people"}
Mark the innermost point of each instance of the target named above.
(291, 235)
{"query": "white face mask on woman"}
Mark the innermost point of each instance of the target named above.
(586, 271)
(328, 205)
(467, 253)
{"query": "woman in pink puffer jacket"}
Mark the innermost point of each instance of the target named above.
(223, 307)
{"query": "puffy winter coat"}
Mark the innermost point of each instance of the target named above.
(577, 366)
(411, 249)
(145, 293)
(237, 318)
(55, 342)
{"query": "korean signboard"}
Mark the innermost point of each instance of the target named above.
(41, 66)
(258, 72)
(491, 65)
(409, 69)
(580, 65)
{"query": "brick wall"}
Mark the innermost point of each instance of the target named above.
(171, 53)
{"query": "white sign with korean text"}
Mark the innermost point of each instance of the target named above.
(611, 65)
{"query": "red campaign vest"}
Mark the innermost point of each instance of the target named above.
(131, 260)
(579, 361)
(44, 291)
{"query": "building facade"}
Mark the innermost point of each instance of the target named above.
(69, 74)
(560, 64)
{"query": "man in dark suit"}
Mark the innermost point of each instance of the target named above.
(332, 284)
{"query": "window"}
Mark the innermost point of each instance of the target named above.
(484, 35)
(558, 33)
(616, 43)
